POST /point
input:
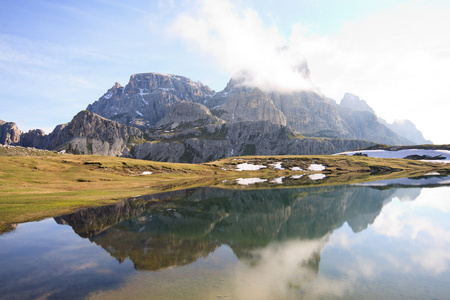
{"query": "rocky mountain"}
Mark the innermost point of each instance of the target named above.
(172, 118)
(407, 129)
(404, 128)
(306, 112)
(87, 133)
(215, 141)
(237, 103)
(354, 103)
(9, 133)
(147, 98)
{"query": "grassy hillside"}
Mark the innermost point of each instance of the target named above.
(33, 187)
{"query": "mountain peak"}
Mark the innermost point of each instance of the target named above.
(355, 103)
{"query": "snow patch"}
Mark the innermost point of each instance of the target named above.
(226, 93)
(317, 176)
(146, 173)
(108, 95)
(139, 113)
(296, 176)
(277, 166)
(433, 174)
(143, 92)
(316, 167)
(166, 89)
(278, 180)
(403, 153)
(296, 169)
(247, 181)
(249, 167)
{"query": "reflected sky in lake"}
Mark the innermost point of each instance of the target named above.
(327, 242)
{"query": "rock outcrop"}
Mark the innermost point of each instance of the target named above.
(218, 141)
(354, 103)
(33, 138)
(188, 115)
(89, 133)
(147, 98)
(9, 133)
(238, 103)
(408, 130)
(401, 132)
(364, 124)
(311, 114)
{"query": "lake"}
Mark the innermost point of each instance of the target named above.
(387, 239)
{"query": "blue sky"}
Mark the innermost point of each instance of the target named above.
(56, 57)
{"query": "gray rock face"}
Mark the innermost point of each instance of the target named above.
(89, 133)
(9, 133)
(147, 98)
(218, 141)
(306, 112)
(188, 115)
(310, 113)
(33, 138)
(408, 130)
(354, 103)
(365, 125)
(238, 103)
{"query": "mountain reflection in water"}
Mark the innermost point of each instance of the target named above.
(177, 228)
(347, 241)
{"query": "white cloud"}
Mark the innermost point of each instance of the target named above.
(282, 267)
(242, 44)
(421, 222)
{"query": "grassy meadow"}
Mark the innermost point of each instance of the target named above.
(39, 185)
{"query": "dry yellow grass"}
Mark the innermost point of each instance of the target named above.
(35, 187)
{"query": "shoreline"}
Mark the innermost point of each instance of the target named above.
(36, 187)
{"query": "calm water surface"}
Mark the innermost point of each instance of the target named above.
(382, 240)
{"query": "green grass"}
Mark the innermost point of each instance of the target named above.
(36, 187)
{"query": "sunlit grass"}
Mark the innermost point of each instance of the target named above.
(35, 187)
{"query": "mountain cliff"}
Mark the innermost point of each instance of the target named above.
(89, 133)
(172, 118)
(407, 129)
(147, 98)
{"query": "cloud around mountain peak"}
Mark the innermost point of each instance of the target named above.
(242, 45)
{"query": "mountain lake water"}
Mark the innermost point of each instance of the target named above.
(381, 240)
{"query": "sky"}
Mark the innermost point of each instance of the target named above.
(57, 57)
